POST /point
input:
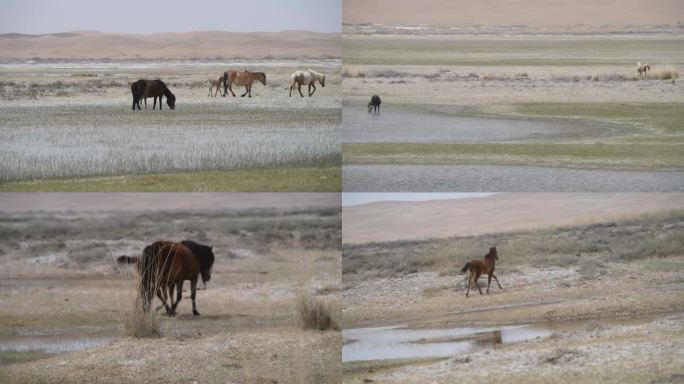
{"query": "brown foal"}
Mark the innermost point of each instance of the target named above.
(476, 268)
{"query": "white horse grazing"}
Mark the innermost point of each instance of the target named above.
(308, 77)
(643, 68)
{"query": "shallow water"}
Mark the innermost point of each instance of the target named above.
(415, 127)
(493, 178)
(398, 342)
(52, 344)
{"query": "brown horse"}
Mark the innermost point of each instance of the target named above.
(241, 78)
(142, 89)
(476, 268)
(217, 84)
(165, 265)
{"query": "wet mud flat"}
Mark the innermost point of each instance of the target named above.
(495, 178)
(403, 124)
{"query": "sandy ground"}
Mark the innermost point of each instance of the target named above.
(504, 212)
(516, 12)
(613, 320)
(64, 284)
(205, 44)
(18, 202)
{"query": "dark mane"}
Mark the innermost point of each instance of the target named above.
(205, 256)
(491, 254)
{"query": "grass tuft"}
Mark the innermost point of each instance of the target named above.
(315, 313)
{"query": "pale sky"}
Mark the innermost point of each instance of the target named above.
(153, 16)
(356, 198)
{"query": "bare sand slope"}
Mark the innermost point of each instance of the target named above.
(203, 45)
(534, 12)
(390, 221)
(17, 202)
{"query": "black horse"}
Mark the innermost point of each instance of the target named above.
(142, 89)
(374, 105)
(205, 256)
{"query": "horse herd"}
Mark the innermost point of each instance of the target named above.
(143, 89)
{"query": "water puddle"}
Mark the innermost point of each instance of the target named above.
(398, 342)
(412, 127)
(52, 344)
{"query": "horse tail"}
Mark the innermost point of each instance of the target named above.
(465, 267)
(123, 259)
(146, 274)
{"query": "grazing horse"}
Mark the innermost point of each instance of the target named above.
(476, 268)
(163, 265)
(643, 68)
(245, 78)
(308, 77)
(215, 83)
(142, 89)
(374, 104)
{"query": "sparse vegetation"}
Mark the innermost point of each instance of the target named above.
(316, 313)
(660, 235)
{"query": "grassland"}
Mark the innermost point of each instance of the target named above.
(70, 124)
(294, 179)
(61, 284)
(568, 80)
(643, 156)
(498, 51)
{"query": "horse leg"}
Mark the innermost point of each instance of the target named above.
(312, 85)
(161, 294)
(497, 281)
(193, 292)
(489, 282)
(179, 296)
(468, 287)
(291, 86)
(246, 91)
(477, 277)
(299, 88)
(160, 102)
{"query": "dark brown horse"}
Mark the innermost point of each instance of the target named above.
(245, 78)
(142, 89)
(374, 104)
(476, 268)
(165, 265)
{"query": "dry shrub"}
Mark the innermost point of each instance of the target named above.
(663, 73)
(350, 71)
(138, 323)
(316, 313)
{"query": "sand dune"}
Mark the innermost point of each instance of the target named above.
(517, 12)
(389, 221)
(201, 45)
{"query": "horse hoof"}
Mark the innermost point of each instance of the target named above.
(195, 313)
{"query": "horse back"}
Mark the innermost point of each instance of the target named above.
(172, 262)
(481, 266)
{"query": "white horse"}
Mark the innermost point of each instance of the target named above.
(308, 77)
(643, 68)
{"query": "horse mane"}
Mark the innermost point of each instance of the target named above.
(204, 255)
(491, 254)
(316, 73)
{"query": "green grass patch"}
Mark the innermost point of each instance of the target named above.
(667, 117)
(603, 156)
(14, 324)
(360, 367)
(13, 357)
(310, 179)
(504, 52)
